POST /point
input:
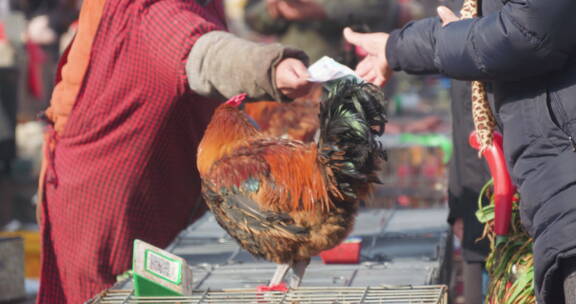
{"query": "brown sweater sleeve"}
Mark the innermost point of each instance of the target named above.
(221, 65)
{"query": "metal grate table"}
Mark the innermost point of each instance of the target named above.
(403, 260)
(431, 294)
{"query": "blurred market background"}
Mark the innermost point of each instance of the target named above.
(34, 33)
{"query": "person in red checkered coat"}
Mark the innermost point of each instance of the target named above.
(134, 93)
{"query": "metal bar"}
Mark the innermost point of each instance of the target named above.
(128, 297)
(364, 294)
(203, 296)
(444, 295)
(234, 254)
(206, 276)
(283, 298)
(352, 277)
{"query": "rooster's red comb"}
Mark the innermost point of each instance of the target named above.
(236, 100)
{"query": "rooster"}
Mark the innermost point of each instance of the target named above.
(284, 200)
(295, 120)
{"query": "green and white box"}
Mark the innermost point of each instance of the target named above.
(159, 273)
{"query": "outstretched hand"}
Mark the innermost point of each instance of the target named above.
(292, 78)
(374, 67)
(447, 15)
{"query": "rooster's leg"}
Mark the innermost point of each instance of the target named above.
(298, 268)
(279, 275)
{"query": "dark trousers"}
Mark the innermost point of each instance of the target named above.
(8, 105)
(569, 272)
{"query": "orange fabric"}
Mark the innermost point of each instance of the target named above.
(65, 92)
(72, 74)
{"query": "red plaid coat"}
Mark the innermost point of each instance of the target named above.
(124, 165)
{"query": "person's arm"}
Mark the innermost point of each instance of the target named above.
(369, 11)
(183, 45)
(221, 65)
(525, 38)
(259, 19)
(412, 48)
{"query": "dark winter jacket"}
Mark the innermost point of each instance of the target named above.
(526, 51)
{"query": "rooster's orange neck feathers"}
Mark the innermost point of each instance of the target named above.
(228, 128)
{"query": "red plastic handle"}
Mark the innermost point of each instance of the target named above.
(504, 190)
(282, 287)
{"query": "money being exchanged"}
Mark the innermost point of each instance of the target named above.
(327, 69)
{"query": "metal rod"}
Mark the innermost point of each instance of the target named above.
(284, 298)
(128, 297)
(364, 294)
(352, 277)
(203, 296)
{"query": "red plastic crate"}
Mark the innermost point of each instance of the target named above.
(348, 252)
